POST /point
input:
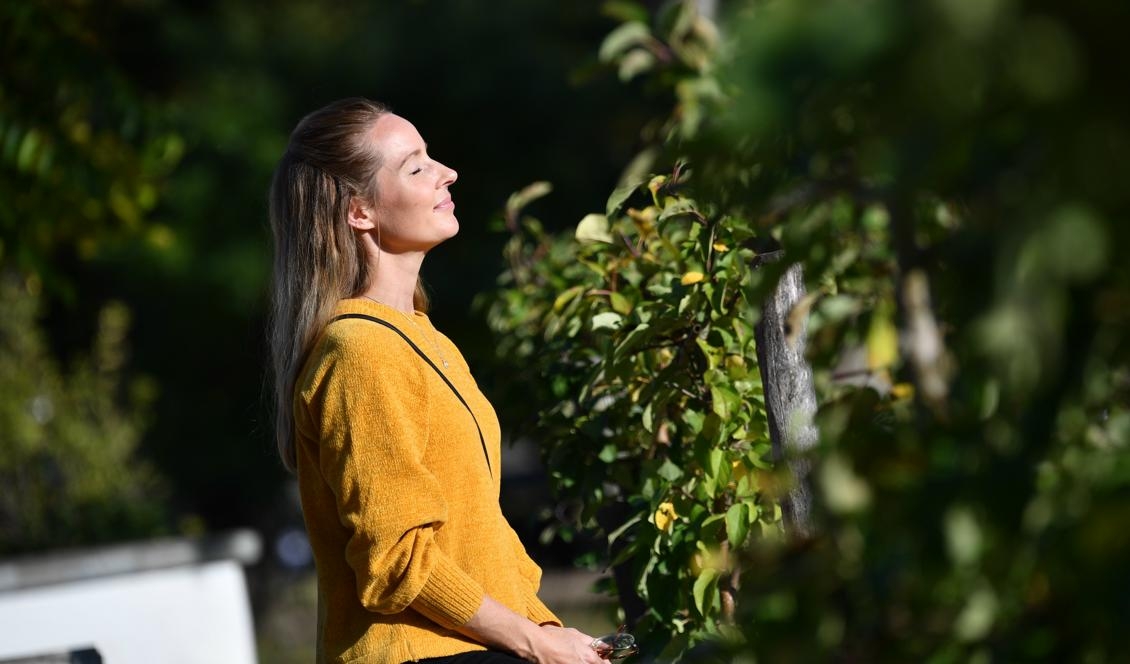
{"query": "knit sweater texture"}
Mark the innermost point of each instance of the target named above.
(399, 497)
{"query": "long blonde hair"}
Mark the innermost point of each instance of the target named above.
(319, 259)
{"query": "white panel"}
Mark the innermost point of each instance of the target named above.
(197, 614)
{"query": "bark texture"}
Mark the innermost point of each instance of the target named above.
(790, 399)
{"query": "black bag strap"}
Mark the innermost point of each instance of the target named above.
(482, 441)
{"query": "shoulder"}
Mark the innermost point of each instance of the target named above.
(360, 353)
(364, 343)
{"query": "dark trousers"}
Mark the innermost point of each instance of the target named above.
(476, 657)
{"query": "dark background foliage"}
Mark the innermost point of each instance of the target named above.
(138, 142)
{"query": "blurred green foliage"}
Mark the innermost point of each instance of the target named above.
(137, 141)
(136, 145)
(84, 153)
(948, 174)
(68, 438)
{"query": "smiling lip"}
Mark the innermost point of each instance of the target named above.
(446, 204)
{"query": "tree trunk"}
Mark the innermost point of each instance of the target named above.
(790, 400)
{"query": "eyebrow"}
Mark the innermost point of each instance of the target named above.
(410, 155)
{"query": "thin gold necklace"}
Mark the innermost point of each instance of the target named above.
(432, 336)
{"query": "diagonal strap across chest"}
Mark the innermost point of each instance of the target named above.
(374, 319)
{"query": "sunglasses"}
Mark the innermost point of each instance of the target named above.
(616, 646)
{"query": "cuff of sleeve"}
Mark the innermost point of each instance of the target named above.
(538, 612)
(449, 597)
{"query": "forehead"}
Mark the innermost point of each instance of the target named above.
(394, 137)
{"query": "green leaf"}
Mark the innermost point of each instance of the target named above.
(737, 524)
(623, 38)
(621, 193)
(620, 304)
(615, 534)
(678, 207)
(635, 63)
(623, 10)
(637, 336)
(704, 587)
(724, 401)
(717, 459)
(712, 354)
(593, 228)
(28, 149)
(648, 417)
(607, 320)
(527, 195)
(626, 554)
(669, 471)
(608, 453)
(566, 296)
(694, 420)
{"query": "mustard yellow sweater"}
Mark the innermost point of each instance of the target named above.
(399, 497)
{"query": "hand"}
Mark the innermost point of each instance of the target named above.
(561, 645)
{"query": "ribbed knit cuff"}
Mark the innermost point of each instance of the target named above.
(538, 612)
(449, 597)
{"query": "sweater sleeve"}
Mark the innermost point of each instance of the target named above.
(371, 409)
(536, 610)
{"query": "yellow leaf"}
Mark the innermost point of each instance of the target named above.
(738, 470)
(720, 247)
(665, 516)
(566, 297)
(882, 341)
(645, 216)
(692, 278)
(902, 391)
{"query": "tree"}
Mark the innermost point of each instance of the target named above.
(933, 168)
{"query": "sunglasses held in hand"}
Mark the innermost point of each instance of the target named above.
(615, 646)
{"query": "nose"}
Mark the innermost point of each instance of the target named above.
(448, 177)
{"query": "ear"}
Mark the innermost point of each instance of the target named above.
(361, 216)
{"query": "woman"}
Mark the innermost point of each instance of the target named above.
(395, 448)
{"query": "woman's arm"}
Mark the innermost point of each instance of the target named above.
(536, 610)
(496, 626)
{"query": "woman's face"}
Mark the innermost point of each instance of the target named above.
(414, 209)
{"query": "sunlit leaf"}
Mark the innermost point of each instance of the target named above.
(703, 589)
(566, 297)
(623, 38)
(737, 524)
(882, 340)
(608, 320)
(593, 228)
(620, 304)
(665, 516)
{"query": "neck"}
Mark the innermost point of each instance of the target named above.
(393, 278)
